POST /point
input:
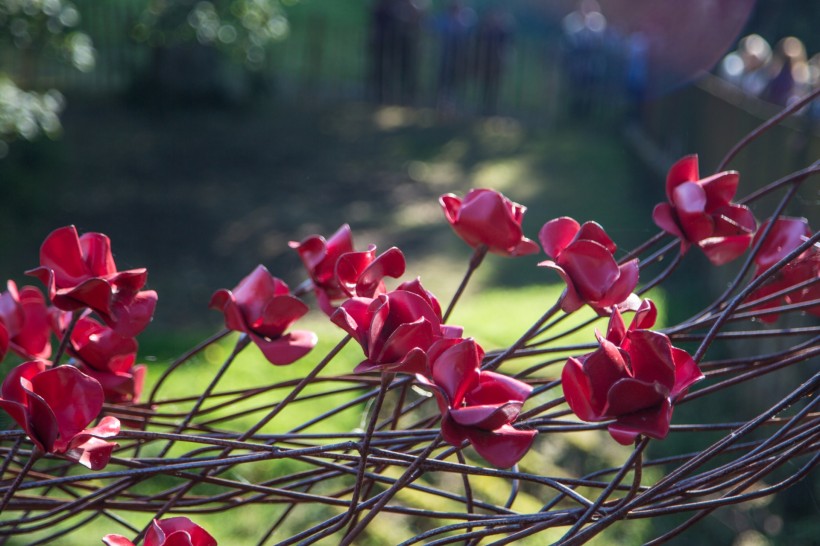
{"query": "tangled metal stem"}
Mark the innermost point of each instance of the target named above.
(195, 458)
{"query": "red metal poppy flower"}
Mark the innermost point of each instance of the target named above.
(28, 321)
(583, 256)
(395, 329)
(80, 273)
(178, 531)
(786, 235)
(338, 272)
(54, 406)
(634, 378)
(478, 406)
(700, 212)
(262, 307)
(109, 358)
(485, 217)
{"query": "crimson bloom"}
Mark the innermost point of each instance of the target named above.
(700, 212)
(485, 217)
(583, 256)
(179, 531)
(634, 378)
(109, 358)
(394, 329)
(338, 272)
(80, 273)
(27, 320)
(476, 405)
(262, 307)
(786, 235)
(54, 406)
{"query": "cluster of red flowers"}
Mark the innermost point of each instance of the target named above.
(54, 404)
(631, 381)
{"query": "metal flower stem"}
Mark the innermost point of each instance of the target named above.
(302, 384)
(364, 449)
(75, 316)
(768, 124)
(478, 256)
(35, 455)
(184, 358)
(533, 330)
(242, 342)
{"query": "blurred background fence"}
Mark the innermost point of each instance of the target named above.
(520, 71)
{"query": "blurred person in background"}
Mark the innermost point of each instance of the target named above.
(790, 71)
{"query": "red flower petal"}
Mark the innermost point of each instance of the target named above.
(388, 264)
(684, 170)
(96, 249)
(591, 267)
(503, 447)
(645, 316)
(223, 300)
(279, 313)
(623, 286)
(451, 205)
(578, 391)
(4, 340)
(687, 372)
(722, 250)
(403, 339)
(664, 217)
(94, 293)
(557, 234)
(631, 395)
(720, 188)
(453, 433)
(689, 201)
(495, 388)
(652, 422)
(650, 354)
(350, 266)
(572, 300)
(354, 317)
(455, 370)
(592, 231)
(486, 417)
(130, 316)
(198, 535)
(286, 349)
(603, 368)
(116, 540)
(786, 235)
(61, 252)
(75, 398)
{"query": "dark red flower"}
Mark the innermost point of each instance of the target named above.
(178, 531)
(583, 256)
(28, 321)
(80, 273)
(700, 212)
(54, 406)
(485, 217)
(109, 358)
(394, 329)
(476, 405)
(634, 378)
(786, 235)
(262, 307)
(338, 272)
(4, 341)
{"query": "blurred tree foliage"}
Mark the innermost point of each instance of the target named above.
(33, 32)
(241, 28)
